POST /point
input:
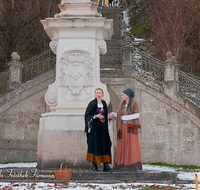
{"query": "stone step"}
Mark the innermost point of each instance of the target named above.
(33, 173)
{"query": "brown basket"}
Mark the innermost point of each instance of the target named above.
(63, 174)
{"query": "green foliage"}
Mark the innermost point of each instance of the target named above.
(141, 31)
(139, 20)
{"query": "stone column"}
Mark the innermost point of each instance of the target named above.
(78, 35)
(170, 84)
(15, 74)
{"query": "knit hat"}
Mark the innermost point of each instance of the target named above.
(129, 92)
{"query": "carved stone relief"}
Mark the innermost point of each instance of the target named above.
(76, 72)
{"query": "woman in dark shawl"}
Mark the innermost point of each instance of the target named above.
(96, 128)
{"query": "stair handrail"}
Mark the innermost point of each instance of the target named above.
(44, 60)
(38, 65)
(146, 65)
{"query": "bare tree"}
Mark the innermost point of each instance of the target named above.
(175, 27)
(20, 27)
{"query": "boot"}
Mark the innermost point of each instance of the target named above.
(95, 168)
(106, 168)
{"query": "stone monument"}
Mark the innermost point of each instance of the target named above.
(77, 36)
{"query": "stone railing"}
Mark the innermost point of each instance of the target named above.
(167, 75)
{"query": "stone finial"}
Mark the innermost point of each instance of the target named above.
(15, 56)
(169, 55)
(170, 58)
(174, 59)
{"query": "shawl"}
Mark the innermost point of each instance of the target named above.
(91, 111)
(134, 109)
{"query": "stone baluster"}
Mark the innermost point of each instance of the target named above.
(15, 69)
(169, 68)
(171, 79)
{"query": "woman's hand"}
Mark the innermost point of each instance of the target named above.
(100, 116)
(121, 117)
(111, 115)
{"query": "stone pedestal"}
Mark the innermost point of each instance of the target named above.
(170, 84)
(127, 57)
(15, 68)
(77, 35)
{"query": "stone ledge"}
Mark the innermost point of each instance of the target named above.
(33, 173)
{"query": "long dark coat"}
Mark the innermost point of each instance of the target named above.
(98, 139)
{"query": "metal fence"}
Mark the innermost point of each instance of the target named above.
(4, 82)
(112, 59)
(38, 65)
(148, 66)
(189, 87)
(32, 68)
(153, 69)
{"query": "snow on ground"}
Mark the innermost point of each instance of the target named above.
(19, 165)
(126, 17)
(85, 186)
(81, 186)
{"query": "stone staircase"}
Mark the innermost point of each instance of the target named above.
(32, 174)
(170, 124)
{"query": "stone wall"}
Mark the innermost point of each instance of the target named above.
(20, 111)
(170, 127)
(170, 124)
